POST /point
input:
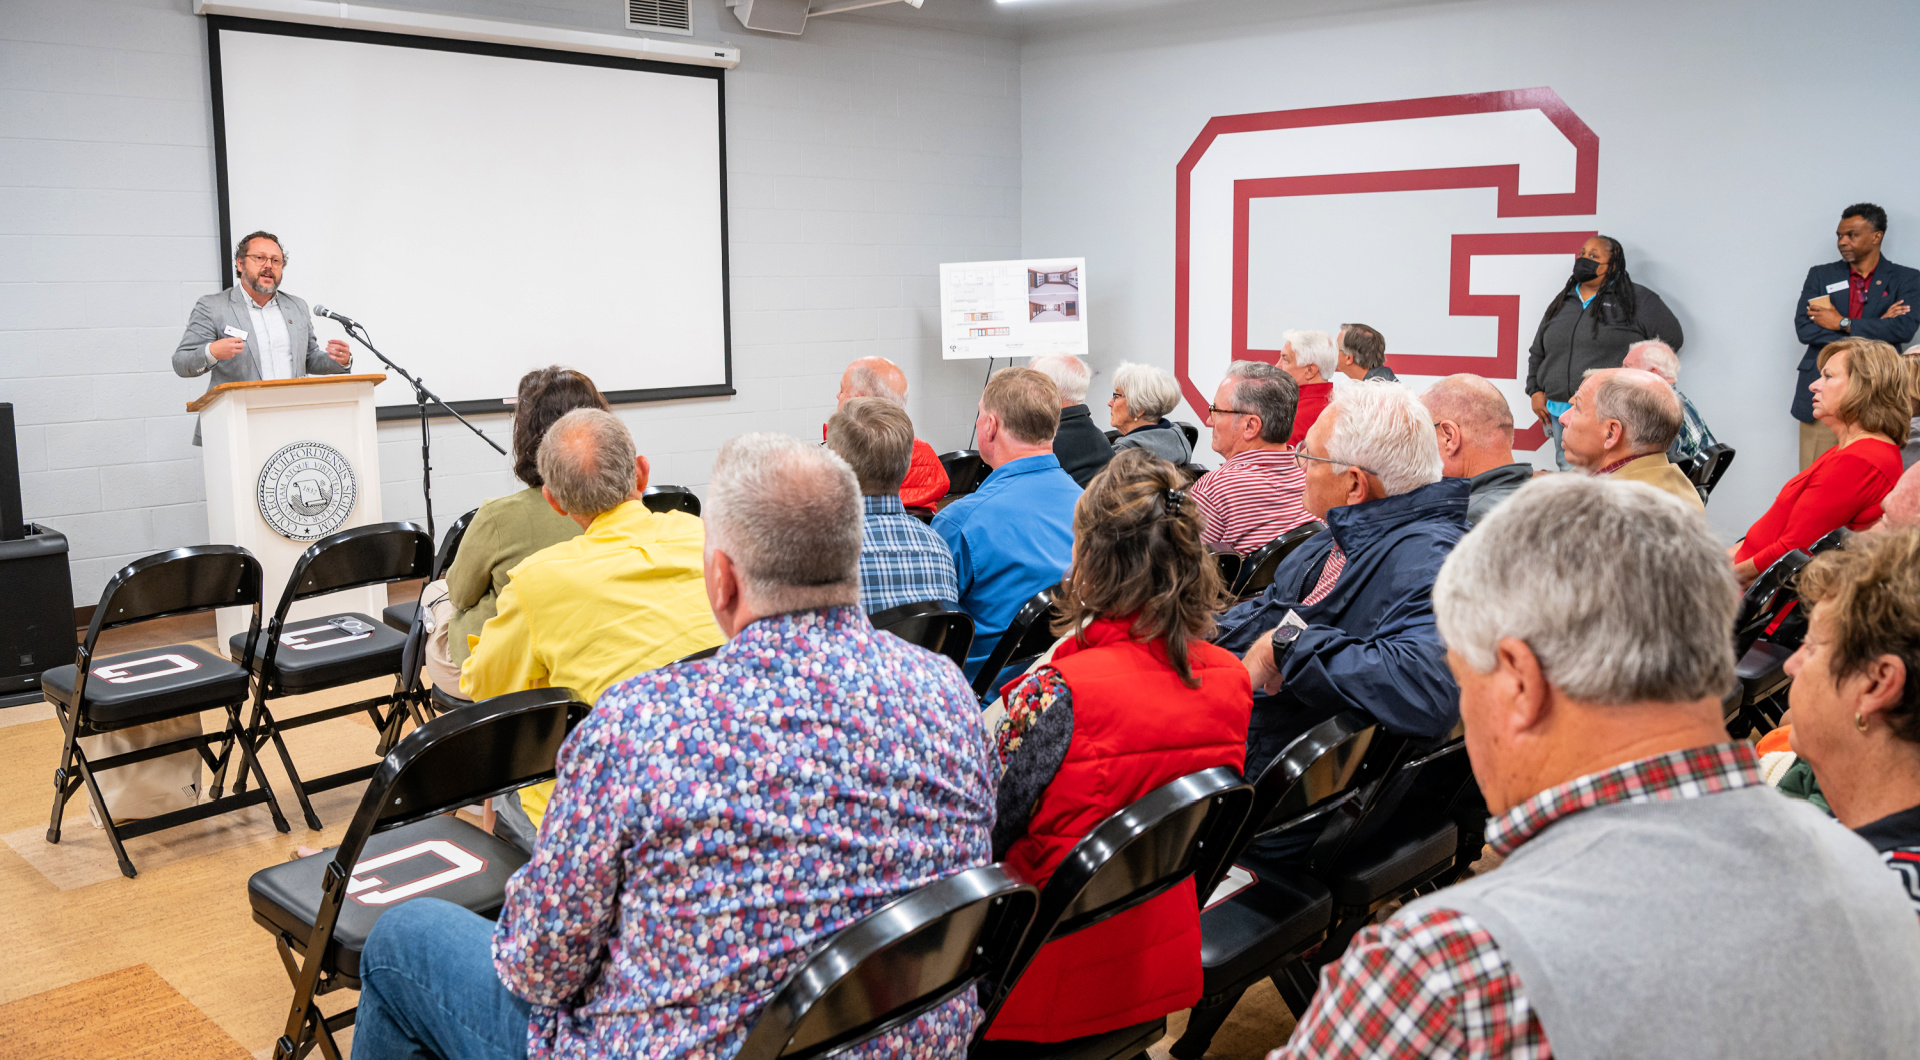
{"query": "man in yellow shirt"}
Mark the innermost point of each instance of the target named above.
(627, 595)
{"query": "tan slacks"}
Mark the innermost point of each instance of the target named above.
(1815, 438)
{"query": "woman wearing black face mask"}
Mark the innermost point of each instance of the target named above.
(1589, 324)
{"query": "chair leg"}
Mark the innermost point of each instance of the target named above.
(100, 803)
(64, 785)
(1297, 984)
(263, 716)
(1203, 1022)
(248, 760)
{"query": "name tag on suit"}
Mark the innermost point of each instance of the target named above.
(1836, 287)
(236, 333)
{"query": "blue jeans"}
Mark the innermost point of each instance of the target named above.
(428, 989)
(1553, 433)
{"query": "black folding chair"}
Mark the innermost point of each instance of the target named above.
(1767, 630)
(1229, 566)
(703, 653)
(1029, 634)
(965, 471)
(896, 964)
(1192, 433)
(1706, 467)
(92, 697)
(404, 843)
(1261, 920)
(311, 655)
(401, 616)
(1180, 830)
(1257, 569)
(1836, 538)
(670, 499)
(931, 626)
(1112, 435)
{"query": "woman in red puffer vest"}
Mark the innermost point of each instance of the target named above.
(1135, 699)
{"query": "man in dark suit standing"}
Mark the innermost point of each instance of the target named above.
(1862, 294)
(254, 330)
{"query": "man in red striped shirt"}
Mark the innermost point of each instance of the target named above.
(1257, 494)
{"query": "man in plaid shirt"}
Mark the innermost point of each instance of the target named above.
(1658, 357)
(1589, 623)
(901, 560)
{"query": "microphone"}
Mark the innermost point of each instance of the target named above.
(323, 311)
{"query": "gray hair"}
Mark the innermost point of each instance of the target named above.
(1068, 372)
(788, 515)
(1150, 392)
(1660, 358)
(1621, 591)
(1647, 408)
(875, 437)
(1268, 393)
(1315, 348)
(587, 462)
(1383, 426)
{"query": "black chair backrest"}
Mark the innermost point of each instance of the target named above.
(703, 653)
(1829, 541)
(1712, 463)
(1181, 829)
(374, 554)
(1767, 599)
(1112, 435)
(1417, 792)
(1192, 433)
(965, 470)
(1029, 634)
(896, 964)
(931, 626)
(1321, 766)
(670, 499)
(1229, 564)
(450, 543)
(180, 581)
(1257, 569)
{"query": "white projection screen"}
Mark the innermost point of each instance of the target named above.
(483, 209)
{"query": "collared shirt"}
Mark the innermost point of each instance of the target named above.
(625, 596)
(1010, 539)
(1251, 499)
(1694, 435)
(270, 340)
(716, 819)
(1438, 985)
(902, 561)
(1857, 291)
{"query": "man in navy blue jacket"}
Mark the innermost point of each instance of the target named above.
(1361, 633)
(1863, 295)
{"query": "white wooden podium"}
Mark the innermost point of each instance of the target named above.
(244, 428)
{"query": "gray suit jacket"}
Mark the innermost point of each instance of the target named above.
(214, 313)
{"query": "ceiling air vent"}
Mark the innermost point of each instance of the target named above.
(666, 16)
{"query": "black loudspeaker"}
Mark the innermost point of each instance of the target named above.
(10, 525)
(36, 617)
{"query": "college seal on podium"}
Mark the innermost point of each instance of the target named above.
(306, 490)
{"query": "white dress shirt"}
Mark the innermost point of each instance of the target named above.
(269, 337)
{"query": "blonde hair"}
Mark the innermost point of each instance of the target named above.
(1869, 592)
(1879, 387)
(1027, 403)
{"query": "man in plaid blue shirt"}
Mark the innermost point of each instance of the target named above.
(902, 561)
(1658, 357)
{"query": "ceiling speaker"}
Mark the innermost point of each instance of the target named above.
(772, 16)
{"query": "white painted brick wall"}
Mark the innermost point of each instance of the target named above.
(859, 156)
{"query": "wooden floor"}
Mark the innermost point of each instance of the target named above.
(170, 963)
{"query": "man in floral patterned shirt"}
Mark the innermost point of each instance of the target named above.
(714, 819)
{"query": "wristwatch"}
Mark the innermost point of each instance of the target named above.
(1846, 325)
(1283, 639)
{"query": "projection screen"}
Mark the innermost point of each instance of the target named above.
(483, 209)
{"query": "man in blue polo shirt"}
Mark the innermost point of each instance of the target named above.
(1013, 536)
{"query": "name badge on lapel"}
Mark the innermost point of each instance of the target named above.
(1836, 288)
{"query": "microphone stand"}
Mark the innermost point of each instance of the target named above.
(421, 397)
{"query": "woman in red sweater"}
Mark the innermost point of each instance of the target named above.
(1134, 698)
(1863, 394)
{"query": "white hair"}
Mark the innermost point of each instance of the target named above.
(788, 514)
(1315, 348)
(1068, 372)
(1151, 392)
(1621, 591)
(1382, 426)
(1661, 360)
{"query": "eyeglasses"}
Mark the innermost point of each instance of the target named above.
(1117, 396)
(262, 259)
(1301, 453)
(1212, 411)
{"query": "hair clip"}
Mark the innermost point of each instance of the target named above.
(1174, 499)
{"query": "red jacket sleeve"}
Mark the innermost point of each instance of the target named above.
(926, 479)
(1840, 488)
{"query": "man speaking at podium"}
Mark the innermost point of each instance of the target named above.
(254, 330)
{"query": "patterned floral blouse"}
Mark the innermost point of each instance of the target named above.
(715, 819)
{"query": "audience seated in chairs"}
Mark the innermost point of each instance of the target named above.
(1081, 447)
(1657, 357)
(1256, 495)
(1362, 353)
(622, 597)
(1133, 697)
(1142, 397)
(1312, 359)
(1620, 424)
(926, 480)
(506, 529)
(1862, 394)
(1013, 536)
(1590, 624)
(713, 820)
(1348, 622)
(1474, 425)
(1856, 691)
(901, 560)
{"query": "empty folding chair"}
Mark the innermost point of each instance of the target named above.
(311, 655)
(404, 843)
(1257, 569)
(896, 964)
(932, 626)
(92, 697)
(1180, 830)
(1029, 634)
(401, 616)
(670, 499)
